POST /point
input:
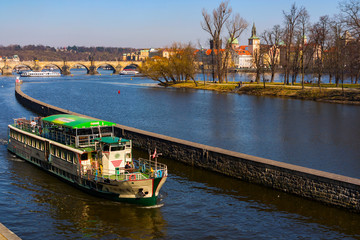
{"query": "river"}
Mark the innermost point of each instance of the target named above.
(196, 204)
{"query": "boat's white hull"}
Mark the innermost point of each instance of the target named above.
(40, 74)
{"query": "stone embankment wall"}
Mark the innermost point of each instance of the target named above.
(317, 185)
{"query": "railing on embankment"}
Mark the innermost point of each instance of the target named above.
(317, 185)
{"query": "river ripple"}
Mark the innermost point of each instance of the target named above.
(196, 204)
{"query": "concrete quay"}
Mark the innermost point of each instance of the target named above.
(6, 234)
(327, 188)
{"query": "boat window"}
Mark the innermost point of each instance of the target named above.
(84, 156)
(117, 148)
(106, 130)
(63, 154)
(106, 148)
(86, 131)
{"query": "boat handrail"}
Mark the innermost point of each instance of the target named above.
(88, 140)
(144, 169)
(151, 164)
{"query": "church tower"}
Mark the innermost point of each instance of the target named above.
(254, 41)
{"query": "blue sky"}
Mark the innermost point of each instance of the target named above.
(138, 24)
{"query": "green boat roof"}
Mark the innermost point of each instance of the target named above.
(73, 121)
(110, 140)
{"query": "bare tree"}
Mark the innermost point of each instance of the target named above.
(302, 29)
(291, 20)
(260, 63)
(320, 38)
(272, 39)
(351, 16)
(335, 61)
(214, 24)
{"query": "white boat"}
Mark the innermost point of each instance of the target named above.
(40, 74)
(86, 153)
(129, 72)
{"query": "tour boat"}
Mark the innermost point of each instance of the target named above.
(86, 153)
(40, 74)
(129, 72)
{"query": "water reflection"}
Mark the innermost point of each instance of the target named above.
(79, 215)
(234, 202)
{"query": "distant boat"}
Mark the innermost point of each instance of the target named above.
(40, 74)
(129, 72)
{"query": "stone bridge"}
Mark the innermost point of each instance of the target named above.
(7, 68)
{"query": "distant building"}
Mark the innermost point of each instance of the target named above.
(254, 41)
(141, 55)
(14, 58)
(243, 55)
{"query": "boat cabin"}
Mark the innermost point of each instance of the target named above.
(76, 131)
(103, 152)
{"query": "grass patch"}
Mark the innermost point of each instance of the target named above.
(327, 93)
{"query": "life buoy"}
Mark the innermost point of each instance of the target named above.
(159, 173)
(132, 177)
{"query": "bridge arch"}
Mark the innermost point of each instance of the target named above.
(132, 65)
(76, 65)
(51, 65)
(22, 65)
(113, 68)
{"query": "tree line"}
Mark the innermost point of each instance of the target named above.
(329, 46)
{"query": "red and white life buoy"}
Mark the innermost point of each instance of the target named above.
(132, 177)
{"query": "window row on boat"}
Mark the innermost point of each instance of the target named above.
(33, 142)
(63, 154)
(29, 141)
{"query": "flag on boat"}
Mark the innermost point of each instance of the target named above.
(154, 155)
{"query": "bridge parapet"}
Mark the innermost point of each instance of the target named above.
(6, 68)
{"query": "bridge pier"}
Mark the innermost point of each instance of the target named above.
(92, 70)
(65, 70)
(6, 71)
(117, 69)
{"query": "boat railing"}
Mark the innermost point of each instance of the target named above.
(115, 176)
(60, 137)
(152, 166)
(88, 140)
(28, 125)
(143, 169)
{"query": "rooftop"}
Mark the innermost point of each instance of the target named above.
(73, 121)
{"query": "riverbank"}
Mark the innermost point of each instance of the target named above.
(328, 92)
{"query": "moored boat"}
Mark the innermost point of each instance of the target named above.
(86, 153)
(40, 74)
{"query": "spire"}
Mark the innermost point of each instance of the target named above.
(253, 32)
